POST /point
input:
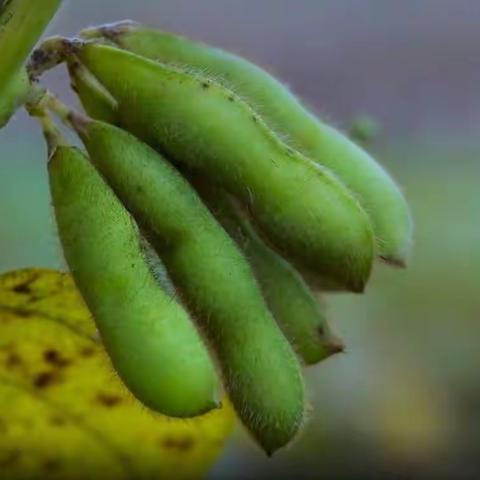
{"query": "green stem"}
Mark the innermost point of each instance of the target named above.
(52, 134)
(22, 22)
(42, 100)
(37, 106)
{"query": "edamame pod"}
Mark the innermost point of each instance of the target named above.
(290, 300)
(261, 374)
(305, 211)
(292, 303)
(376, 190)
(96, 100)
(98, 103)
(153, 345)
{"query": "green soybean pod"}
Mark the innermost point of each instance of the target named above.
(99, 104)
(305, 210)
(95, 99)
(289, 298)
(154, 346)
(376, 190)
(261, 373)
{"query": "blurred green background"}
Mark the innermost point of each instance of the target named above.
(404, 401)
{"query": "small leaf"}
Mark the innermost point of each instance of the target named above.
(63, 411)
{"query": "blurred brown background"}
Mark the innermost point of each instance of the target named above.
(404, 401)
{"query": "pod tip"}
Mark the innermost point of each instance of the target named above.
(335, 346)
(358, 287)
(393, 261)
(108, 30)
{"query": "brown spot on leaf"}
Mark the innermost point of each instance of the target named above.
(181, 444)
(44, 379)
(109, 400)
(13, 360)
(24, 313)
(23, 288)
(87, 352)
(53, 357)
(57, 421)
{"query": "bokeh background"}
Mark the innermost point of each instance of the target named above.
(404, 401)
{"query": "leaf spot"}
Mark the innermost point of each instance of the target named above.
(53, 357)
(108, 400)
(44, 379)
(181, 444)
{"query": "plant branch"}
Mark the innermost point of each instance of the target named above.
(51, 52)
(42, 100)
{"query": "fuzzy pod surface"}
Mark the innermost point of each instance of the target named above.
(305, 210)
(284, 112)
(289, 298)
(261, 373)
(153, 345)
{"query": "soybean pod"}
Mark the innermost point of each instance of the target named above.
(289, 298)
(292, 303)
(282, 110)
(303, 209)
(96, 100)
(261, 373)
(153, 345)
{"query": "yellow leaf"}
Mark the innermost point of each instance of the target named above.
(64, 413)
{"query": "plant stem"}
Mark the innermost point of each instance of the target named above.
(22, 22)
(50, 53)
(53, 136)
(42, 100)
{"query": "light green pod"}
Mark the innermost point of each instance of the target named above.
(96, 100)
(304, 210)
(261, 374)
(292, 303)
(150, 338)
(12, 95)
(376, 190)
(290, 300)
